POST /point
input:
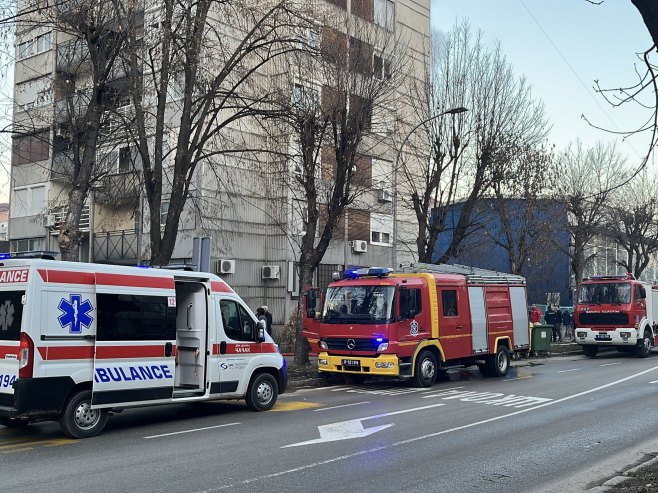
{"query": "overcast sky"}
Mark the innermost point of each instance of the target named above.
(562, 47)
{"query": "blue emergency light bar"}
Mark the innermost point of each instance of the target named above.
(45, 254)
(366, 272)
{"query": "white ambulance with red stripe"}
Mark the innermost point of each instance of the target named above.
(78, 341)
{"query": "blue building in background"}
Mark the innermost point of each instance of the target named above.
(546, 267)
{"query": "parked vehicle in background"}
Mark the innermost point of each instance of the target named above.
(78, 341)
(415, 323)
(616, 311)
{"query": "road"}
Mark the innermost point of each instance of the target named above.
(558, 424)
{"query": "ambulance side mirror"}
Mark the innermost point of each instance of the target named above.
(260, 330)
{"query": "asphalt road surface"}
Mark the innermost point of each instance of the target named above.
(559, 424)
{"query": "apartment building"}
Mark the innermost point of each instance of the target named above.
(252, 221)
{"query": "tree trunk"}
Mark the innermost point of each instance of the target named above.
(301, 345)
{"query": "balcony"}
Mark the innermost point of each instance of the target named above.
(54, 218)
(116, 246)
(72, 108)
(73, 56)
(62, 166)
(118, 189)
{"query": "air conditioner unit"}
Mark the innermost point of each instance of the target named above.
(49, 220)
(359, 246)
(225, 266)
(384, 195)
(270, 272)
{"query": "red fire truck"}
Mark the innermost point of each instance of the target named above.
(616, 311)
(415, 323)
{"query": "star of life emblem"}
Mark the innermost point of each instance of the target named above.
(75, 313)
(414, 328)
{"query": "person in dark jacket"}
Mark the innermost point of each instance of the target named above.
(268, 319)
(567, 321)
(549, 319)
(557, 325)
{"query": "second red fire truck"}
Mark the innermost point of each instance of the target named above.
(417, 322)
(616, 311)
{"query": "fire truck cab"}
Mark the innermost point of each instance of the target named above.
(616, 311)
(417, 322)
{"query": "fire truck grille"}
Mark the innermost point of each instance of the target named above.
(604, 318)
(351, 344)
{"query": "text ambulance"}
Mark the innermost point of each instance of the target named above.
(79, 340)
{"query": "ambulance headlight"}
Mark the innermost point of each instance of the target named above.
(323, 361)
(582, 335)
(384, 364)
(625, 335)
(382, 347)
(323, 344)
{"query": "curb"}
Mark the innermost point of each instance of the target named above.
(617, 480)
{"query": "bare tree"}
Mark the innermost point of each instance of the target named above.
(197, 79)
(91, 37)
(335, 105)
(520, 205)
(633, 223)
(464, 147)
(584, 182)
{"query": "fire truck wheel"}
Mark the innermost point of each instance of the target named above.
(498, 364)
(79, 420)
(590, 351)
(262, 392)
(425, 370)
(644, 350)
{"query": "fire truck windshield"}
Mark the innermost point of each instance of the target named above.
(612, 293)
(359, 304)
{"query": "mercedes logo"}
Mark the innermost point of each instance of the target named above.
(351, 344)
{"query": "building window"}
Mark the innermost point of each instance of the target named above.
(305, 97)
(125, 163)
(382, 171)
(34, 46)
(31, 148)
(381, 229)
(28, 201)
(27, 244)
(385, 14)
(381, 67)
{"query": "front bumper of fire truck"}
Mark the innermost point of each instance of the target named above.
(610, 336)
(382, 365)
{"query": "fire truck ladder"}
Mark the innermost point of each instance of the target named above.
(473, 275)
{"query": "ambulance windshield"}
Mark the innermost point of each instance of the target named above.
(11, 315)
(359, 304)
(609, 293)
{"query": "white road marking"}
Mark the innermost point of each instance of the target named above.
(610, 364)
(344, 405)
(655, 381)
(191, 431)
(490, 398)
(572, 369)
(353, 428)
(516, 378)
(419, 438)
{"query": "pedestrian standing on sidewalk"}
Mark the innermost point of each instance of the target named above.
(535, 314)
(549, 319)
(268, 319)
(557, 327)
(568, 326)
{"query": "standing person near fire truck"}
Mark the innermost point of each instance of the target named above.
(535, 314)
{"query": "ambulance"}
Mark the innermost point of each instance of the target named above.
(79, 341)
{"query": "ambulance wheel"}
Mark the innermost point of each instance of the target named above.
(644, 350)
(79, 420)
(590, 351)
(262, 392)
(425, 369)
(498, 364)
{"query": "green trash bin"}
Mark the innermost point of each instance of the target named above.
(540, 338)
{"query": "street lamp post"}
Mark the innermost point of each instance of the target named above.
(451, 111)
